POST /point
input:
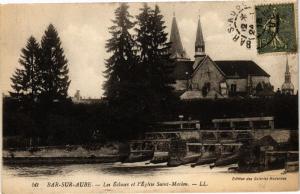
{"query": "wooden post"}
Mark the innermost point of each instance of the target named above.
(216, 134)
(234, 134)
(202, 148)
(30, 142)
(266, 161)
(155, 147)
(231, 125)
(271, 123)
(200, 136)
(216, 126)
(251, 124)
(221, 148)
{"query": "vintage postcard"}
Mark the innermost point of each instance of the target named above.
(155, 97)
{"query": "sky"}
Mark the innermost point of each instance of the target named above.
(83, 29)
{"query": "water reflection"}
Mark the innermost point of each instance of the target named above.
(33, 170)
(61, 170)
(113, 169)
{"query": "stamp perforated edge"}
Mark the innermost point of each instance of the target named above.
(295, 4)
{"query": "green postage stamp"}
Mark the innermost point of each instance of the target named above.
(275, 25)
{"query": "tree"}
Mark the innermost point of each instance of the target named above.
(120, 66)
(154, 61)
(162, 62)
(120, 88)
(26, 80)
(55, 79)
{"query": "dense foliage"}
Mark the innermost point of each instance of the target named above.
(54, 70)
(26, 80)
(154, 65)
(43, 75)
(136, 72)
(120, 66)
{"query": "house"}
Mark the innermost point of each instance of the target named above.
(206, 78)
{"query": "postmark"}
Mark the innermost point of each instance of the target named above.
(241, 25)
(275, 27)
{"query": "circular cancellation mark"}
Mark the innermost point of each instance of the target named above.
(241, 25)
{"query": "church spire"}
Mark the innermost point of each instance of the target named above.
(287, 87)
(176, 50)
(199, 44)
(287, 72)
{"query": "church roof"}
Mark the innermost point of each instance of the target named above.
(176, 49)
(182, 70)
(241, 68)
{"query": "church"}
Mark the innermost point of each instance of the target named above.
(205, 78)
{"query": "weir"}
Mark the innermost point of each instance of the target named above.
(184, 142)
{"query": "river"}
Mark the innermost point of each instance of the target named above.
(138, 177)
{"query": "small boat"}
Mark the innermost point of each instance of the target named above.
(138, 156)
(177, 161)
(227, 159)
(203, 161)
(159, 157)
(205, 158)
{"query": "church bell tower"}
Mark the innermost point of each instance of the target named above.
(199, 44)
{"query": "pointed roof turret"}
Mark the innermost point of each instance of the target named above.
(287, 68)
(176, 50)
(199, 36)
(199, 43)
(287, 76)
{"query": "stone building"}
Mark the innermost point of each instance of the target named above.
(206, 78)
(287, 87)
